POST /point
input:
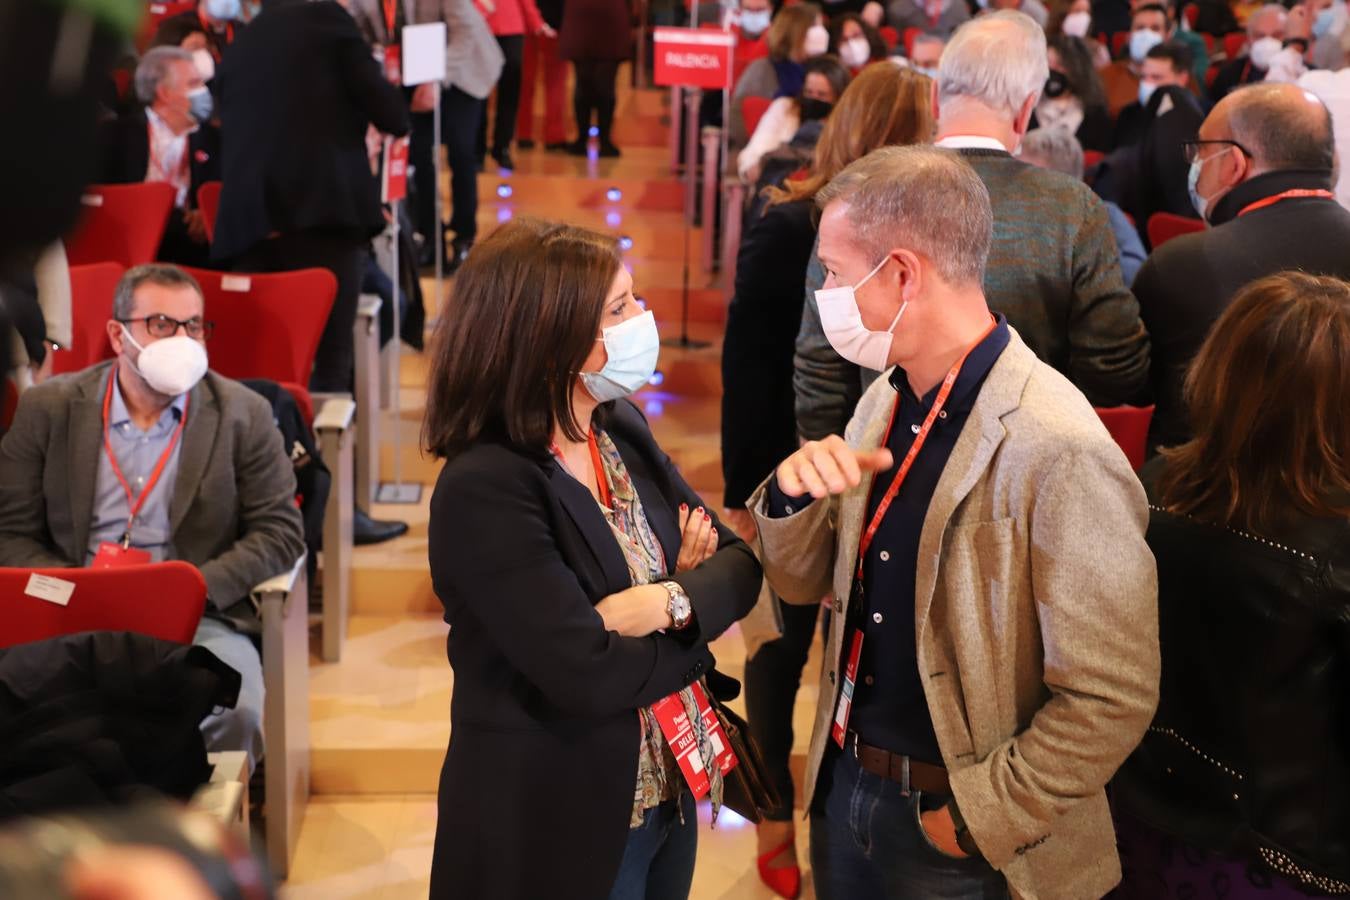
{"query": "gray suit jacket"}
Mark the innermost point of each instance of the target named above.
(1035, 610)
(473, 58)
(233, 510)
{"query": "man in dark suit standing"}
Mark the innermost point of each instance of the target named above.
(298, 91)
(169, 139)
(1263, 172)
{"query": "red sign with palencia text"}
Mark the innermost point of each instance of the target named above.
(693, 57)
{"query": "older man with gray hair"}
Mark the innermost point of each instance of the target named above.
(1265, 39)
(993, 655)
(1053, 266)
(168, 139)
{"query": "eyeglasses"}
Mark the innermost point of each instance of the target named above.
(1191, 149)
(161, 326)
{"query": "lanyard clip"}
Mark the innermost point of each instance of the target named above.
(126, 540)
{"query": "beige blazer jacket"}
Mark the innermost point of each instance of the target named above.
(1035, 614)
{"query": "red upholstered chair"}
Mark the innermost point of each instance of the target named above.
(162, 600)
(1092, 158)
(208, 201)
(1210, 41)
(1129, 427)
(909, 37)
(1118, 42)
(1164, 226)
(156, 13)
(1233, 43)
(1192, 14)
(121, 223)
(890, 36)
(752, 110)
(91, 296)
(266, 326)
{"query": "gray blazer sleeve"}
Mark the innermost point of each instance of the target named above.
(271, 536)
(25, 538)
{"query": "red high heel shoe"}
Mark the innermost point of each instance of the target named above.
(785, 881)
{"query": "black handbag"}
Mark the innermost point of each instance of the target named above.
(746, 789)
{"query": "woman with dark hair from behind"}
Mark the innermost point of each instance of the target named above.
(885, 105)
(825, 80)
(1244, 777)
(1074, 99)
(581, 577)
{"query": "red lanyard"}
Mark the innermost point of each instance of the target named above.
(135, 506)
(1286, 195)
(157, 161)
(943, 392)
(390, 14)
(601, 482)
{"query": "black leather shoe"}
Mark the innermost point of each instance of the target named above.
(577, 147)
(458, 252)
(525, 144)
(503, 158)
(366, 530)
(608, 150)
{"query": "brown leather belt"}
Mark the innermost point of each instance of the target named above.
(909, 773)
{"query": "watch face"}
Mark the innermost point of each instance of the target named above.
(680, 609)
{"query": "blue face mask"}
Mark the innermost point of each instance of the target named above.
(224, 10)
(1322, 24)
(632, 347)
(199, 104)
(1141, 42)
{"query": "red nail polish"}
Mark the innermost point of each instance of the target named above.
(707, 518)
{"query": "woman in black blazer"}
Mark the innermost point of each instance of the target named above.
(575, 597)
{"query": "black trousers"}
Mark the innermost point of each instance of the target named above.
(772, 677)
(508, 97)
(461, 116)
(594, 92)
(341, 252)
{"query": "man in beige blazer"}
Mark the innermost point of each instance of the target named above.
(1004, 609)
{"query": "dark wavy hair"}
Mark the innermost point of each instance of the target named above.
(1080, 69)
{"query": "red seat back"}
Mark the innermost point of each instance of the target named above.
(1128, 426)
(1233, 43)
(752, 110)
(121, 223)
(890, 36)
(1118, 42)
(156, 13)
(208, 201)
(162, 600)
(91, 297)
(1164, 226)
(266, 326)
(1092, 158)
(910, 35)
(1192, 14)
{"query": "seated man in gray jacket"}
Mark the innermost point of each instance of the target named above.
(152, 457)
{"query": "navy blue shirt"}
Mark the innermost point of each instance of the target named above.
(889, 707)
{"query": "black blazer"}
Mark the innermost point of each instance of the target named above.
(759, 423)
(297, 91)
(1250, 748)
(1187, 283)
(125, 146)
(538, 782)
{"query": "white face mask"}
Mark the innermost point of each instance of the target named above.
(817, 41)
(1077, 24)
(842, 323)
(171, 365)
(1263, 51)
(205, 63)
(855, 52)
(632, 347)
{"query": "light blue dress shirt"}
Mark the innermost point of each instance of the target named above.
(137, 453)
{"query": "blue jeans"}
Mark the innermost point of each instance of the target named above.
(866, 842)
(658, 860)
(239, 728)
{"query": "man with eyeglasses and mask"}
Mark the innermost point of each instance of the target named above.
(1261, 175)
(171, 140)
(152, 457)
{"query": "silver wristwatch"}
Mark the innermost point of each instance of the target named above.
(679, 607)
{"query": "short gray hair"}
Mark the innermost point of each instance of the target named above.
(926, 38)
(922, 198)
(1270, 9)
(998, 59)
(154, 67)
(1057, 148)
(162, 274)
